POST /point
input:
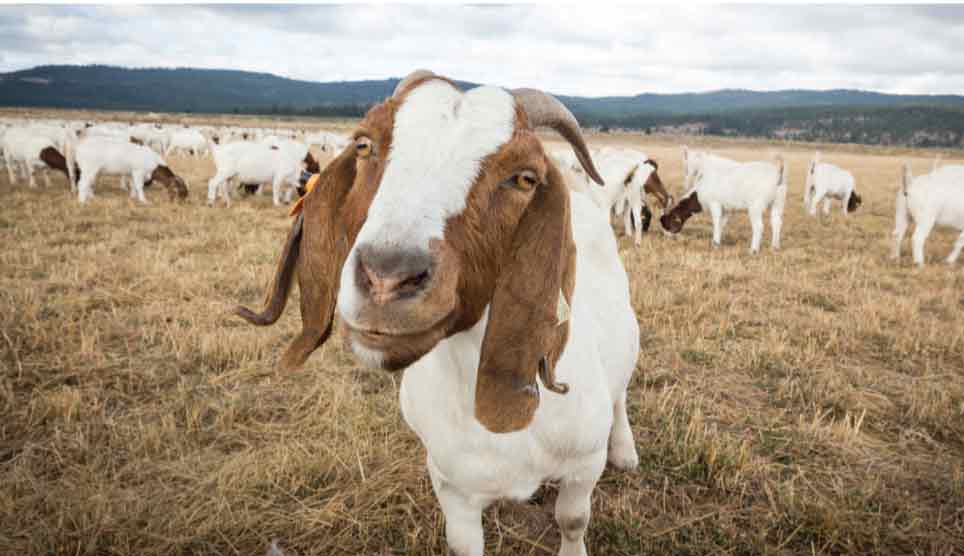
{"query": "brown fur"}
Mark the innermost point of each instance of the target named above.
(854, 202)
(311, 164)
(511, 250)
(137, 141)
(55, 160)
(654, 186)
(175, 186)
(673, 220)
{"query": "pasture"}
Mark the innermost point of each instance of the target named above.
(809, 401)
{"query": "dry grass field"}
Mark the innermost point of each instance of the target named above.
(809, 401)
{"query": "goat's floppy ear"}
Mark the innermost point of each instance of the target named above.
(529, 314)
(316, 248)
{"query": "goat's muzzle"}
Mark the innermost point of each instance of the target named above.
(386, 275)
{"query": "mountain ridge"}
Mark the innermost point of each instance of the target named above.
(872, 116)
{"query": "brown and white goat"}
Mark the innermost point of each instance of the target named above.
(448, 244)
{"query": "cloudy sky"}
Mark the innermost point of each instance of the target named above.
(582, 49)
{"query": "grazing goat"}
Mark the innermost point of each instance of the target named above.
(187, 140)
(726, 185)
(629, 175)
(446, 243)
(328, 142)
(96, 155)
(280, 164)
(825, 182)
(24, 148)
(929, 200)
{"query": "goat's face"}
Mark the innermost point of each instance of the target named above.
(673, 220)
(443, 209)
(854, 202)
(175, 185)
(454, 174)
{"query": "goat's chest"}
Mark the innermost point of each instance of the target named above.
(437, 400)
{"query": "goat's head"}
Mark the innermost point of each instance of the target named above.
(310, 164)
(176, 187)
(673, 220)
(854, 203)
(442, 210)
(654, 186)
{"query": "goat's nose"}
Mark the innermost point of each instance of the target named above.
(392, 273)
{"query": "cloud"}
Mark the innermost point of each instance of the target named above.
(584, 49)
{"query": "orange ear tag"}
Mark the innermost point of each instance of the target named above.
(312, 182)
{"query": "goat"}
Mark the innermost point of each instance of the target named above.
(328, 142)
(446, 243)
(29, 150)
(929, 200)
(825, 182)
(187, 140)
(96, 155)
(629, 175)
(248, 162)
(726, 185)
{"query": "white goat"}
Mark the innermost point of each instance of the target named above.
(98, 155)
(441, 283)
(628, 174)
(188, 141)
(825, 182)
(280, 164)
(328, 142)
(26, 150)
(726, 185)
(935, 199)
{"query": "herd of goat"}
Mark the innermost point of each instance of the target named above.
(499, 288)
(258, 157)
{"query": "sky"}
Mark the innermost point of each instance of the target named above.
(585, 49)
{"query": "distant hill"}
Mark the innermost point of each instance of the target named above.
(791, 113)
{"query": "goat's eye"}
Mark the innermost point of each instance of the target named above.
(523, 181)
(364, 147)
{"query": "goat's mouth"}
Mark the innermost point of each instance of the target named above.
(391, 350)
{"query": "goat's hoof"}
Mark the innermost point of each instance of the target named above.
(623, 457)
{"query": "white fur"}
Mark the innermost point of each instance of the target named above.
(825, 182)
(257, 162)
(725, 185)
(21, 151)
(615, 164)
(118, 157)
(441, 135)
(570, 435)
(935, 199)
(328, 142)
(187, 140)
(434, 161)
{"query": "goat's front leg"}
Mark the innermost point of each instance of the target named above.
(573, 508)
(463, 520)
(137, 187)
(716, 211)
(776, 224)
(622, 447)
(756, 222)
(921, 232)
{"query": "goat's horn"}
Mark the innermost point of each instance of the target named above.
(543, 109)
(411, 78)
